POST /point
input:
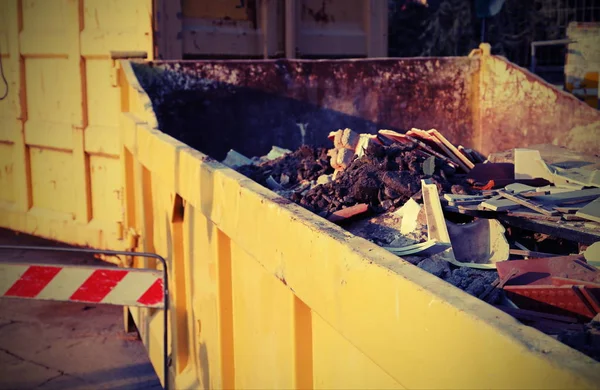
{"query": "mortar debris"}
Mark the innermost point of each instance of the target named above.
(305, 164)
(384, 178)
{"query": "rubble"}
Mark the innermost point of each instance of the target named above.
(461, 217)
(305, 164)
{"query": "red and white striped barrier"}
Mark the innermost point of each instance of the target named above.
(102, 285)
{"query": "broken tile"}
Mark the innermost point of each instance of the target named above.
(348, 212)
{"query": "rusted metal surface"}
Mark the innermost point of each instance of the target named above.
(520, 109)
(252, 105)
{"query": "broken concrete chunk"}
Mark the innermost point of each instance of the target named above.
(363, 144)
(349, 139)
(435, 266)
(344, 158)
(235, 160)
(409, 213)
(429, 166)
(337, 139)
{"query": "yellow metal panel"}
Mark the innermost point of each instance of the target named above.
(116, 25)
(62, 114)
(51, 97)
(52, 179)
(6, 173)
(101, 135)
(263, 326)
(335, 357)
(102, 140)
(205, 305)
(106, 183)
(55, 135)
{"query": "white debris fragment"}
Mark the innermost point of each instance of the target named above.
(235, 160)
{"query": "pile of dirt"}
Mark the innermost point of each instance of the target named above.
(384, 178)
(305, 164)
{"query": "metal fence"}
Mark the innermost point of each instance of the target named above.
(450, 27)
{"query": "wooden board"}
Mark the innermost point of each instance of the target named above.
(452, 148)
(498, 204)
(429, 137)
(529, 204)
(534, 215)
(570, 197)
(403, 138)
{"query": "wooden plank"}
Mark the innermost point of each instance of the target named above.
(395, 136)
(498, 204)
(448, 144)
(426, 136)
(460, 198)
(528, 253)
(572, 217)
(591, 211)
(571, 196)
(530, 215)
(518, 188)
(529, 204)
(568, 210)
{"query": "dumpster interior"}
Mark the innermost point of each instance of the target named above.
(384, 149)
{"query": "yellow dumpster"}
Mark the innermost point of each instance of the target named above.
(108, 153)
(268, 295)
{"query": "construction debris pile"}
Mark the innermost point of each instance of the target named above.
(513, 230)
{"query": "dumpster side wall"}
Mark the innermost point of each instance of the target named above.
(60, 170)
(269, 295)
(250, 106)
(517, 109)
